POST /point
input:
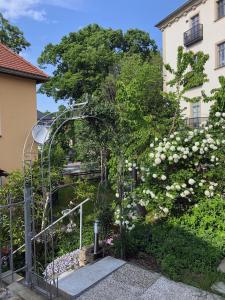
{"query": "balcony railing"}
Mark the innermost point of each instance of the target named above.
(196, 122)
(193, 35)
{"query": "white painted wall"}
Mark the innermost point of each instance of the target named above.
(213, 33)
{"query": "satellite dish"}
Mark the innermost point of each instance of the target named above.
(41, 133)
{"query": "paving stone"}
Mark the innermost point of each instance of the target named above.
(221, 267)
(219, 287)
(75, 282)
(23, 292)
(165, 289)
(127, 283)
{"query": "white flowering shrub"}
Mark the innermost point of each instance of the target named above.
(179, 171)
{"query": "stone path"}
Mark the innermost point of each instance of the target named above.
(134, 283)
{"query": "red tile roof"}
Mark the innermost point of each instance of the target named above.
(12, 63)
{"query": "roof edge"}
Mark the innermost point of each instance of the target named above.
(38, 78)
(186, 5)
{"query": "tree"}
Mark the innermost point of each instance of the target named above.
(189, 73)
(142, 111)
(87, 65)
(12, 36)
(83, 59)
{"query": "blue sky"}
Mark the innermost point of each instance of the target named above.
(45, 21)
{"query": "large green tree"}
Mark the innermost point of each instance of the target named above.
(87, 65)
(12, 36)
(83, 59)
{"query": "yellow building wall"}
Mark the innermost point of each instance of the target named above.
(213, 34)
(18, 114)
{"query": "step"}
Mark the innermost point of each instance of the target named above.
(8, 277)
(24, 292)
(73, 283)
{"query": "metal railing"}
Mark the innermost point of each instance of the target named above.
(196, 122)
(193, 35)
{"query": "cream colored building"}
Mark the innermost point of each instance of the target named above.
(18, 112)
(198, 25)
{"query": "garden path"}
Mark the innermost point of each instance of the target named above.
(131, 282)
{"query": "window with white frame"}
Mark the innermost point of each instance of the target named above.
(221, 8)
(221, 54)
(196, 110)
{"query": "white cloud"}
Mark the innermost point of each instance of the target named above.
(13, 9)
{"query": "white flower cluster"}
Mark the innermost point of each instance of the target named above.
(184, 155)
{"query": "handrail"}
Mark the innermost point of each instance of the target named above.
(58, 220)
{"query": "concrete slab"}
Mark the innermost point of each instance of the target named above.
(165, 289)
(221, 267)
(127, 283)
(134, 283)
(23, 292)
(74, 283)
(9, 278)
(219, 287)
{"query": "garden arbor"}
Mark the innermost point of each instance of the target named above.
(43, 135)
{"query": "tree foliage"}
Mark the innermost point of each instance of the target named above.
(12, 36)
(83, 59)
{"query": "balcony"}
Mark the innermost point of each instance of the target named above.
(196, 122)
(193, 35)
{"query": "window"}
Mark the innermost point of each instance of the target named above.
(196, 114)
(195, 21)
(221, 8)
(196, 110)
(221, 55)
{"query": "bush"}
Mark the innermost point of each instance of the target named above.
(190, 248)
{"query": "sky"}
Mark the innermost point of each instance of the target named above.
(47, 21)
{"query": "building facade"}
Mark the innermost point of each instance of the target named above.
(18, 111)
(198, 25)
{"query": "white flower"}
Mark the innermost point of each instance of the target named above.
(177, 138)
(194, 148)
(152, 195)
(184, 185)
(223, 114)
(160, 149)
(151, 155)
(218, 114)
(178, 188)
(130, 169)
(117, 195)
(163, 156)
(168, 188)
(165, 210)
(151, 145)
(156, 139)
(211, 188)
(154, 175)
(186, 193)
(207, 193)
(191, 181)
(200, 184)
(170, 158)
(158, 161)
(172, 148)
(163, 177)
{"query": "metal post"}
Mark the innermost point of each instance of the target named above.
(96, 233)
(81, 224)
(28, 233)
